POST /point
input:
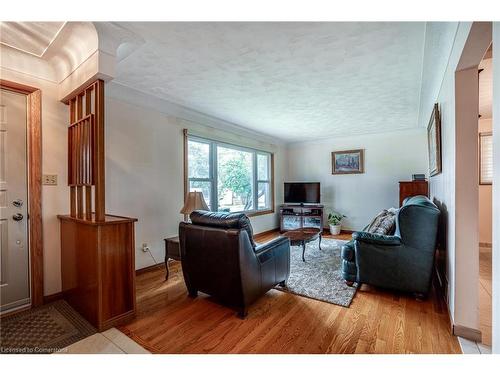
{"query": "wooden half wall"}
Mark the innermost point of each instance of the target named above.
(97, 249)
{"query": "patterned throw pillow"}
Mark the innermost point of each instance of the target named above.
(384, 222)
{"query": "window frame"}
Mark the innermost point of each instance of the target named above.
(482, 135)
(257, 180)
(213, 173)
(211, 177)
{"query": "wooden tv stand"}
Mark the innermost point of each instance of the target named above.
(294, 216)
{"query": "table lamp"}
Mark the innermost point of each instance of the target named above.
(194, 201)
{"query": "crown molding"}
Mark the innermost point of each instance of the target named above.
(99, 65)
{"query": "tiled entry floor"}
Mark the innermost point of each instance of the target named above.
(485, 294)
(471, 347)
(484, 347)
(111, 341)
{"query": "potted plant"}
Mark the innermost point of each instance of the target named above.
(335, 222)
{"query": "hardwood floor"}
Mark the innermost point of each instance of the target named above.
(378, 321)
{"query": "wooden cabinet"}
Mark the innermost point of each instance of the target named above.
(412, 188)
(98, 268)
(297, 216)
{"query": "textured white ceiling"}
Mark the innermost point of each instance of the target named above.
(30, 37)
(293, 81)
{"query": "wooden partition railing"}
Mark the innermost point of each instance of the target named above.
(97, 250)
(86, 153)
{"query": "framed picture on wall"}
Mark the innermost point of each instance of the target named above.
(485, 158)
(348, 162)
(434, 142)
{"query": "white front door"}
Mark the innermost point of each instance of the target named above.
(14, 254)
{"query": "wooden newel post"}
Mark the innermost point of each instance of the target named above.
(100, 205)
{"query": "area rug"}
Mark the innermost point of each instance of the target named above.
(319, 277)
(45, 329)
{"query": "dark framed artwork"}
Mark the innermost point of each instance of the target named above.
(434, 142)
(348, 162)
(485, 158)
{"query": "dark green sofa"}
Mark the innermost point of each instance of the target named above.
(402, 261)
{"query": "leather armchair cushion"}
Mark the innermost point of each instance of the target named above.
(223, 220)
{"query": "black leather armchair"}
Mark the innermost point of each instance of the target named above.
(220, 258)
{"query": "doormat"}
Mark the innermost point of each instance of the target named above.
(44, 329)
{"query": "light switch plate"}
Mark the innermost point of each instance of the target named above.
(49, 179)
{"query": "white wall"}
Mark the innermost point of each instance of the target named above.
(389, 158)
(452, 188)
(485, 198)
(496, 191)
(466, 199)
(442, 186)
(144, 172)
(55, 199)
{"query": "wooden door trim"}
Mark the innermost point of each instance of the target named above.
(34, 128)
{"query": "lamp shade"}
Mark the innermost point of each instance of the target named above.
(194, 201)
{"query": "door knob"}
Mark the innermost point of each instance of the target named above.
(18, 203)
(17, 217)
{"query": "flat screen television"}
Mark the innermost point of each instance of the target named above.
(302, 192)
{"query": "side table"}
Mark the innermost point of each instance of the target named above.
(172, 251)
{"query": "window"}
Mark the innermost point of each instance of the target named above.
(486, 158)
(263, 181)
(232, 178)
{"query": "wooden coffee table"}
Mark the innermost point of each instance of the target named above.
(302, 236)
